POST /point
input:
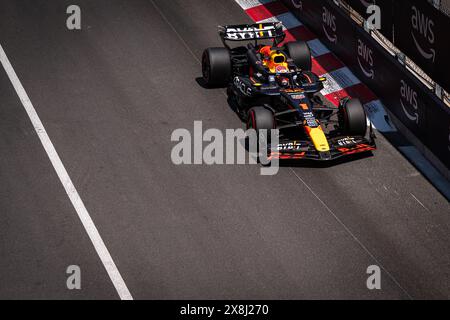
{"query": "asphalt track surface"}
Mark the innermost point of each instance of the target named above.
(110, 96)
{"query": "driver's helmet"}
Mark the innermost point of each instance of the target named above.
(265, 52)
(274, 60)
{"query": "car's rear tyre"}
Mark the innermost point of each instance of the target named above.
(352, 118)
(300, 53)
(216, 67)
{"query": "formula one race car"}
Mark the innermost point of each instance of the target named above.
(272, 86)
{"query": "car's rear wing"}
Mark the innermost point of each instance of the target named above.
(259, 31)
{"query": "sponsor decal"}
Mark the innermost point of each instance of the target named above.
(297, 96)
(293, 90)
(422, 26)
(281, 69)
(408, 101)
(247, 33)
(346, 141)
(310, 119)
(290, 146)
(365, 59)
(245, 89)
(329, 25)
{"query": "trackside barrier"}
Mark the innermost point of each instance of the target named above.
(418, 29)
(387, 18)
(409, 100)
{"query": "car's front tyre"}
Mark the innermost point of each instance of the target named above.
(352, 117)
(260, 118)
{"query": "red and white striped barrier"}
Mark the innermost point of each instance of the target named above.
(341, 82)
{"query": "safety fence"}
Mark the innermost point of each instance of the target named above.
(396, 85)
(414, 30)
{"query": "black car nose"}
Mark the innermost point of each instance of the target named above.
(325, 155)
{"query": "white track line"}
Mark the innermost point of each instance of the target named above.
(74, 197)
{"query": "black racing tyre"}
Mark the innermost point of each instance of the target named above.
(260, 118)
(216, 67)
(300, 53)
(352, 118)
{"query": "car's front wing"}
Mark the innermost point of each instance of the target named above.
(339, 147)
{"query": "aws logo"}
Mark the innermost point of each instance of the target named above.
(409, 101)
(423, 26)
(329, 25)
(365, 59)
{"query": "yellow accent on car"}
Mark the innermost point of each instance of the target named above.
(319, 139)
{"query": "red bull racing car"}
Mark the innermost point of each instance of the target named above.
(272, 86)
